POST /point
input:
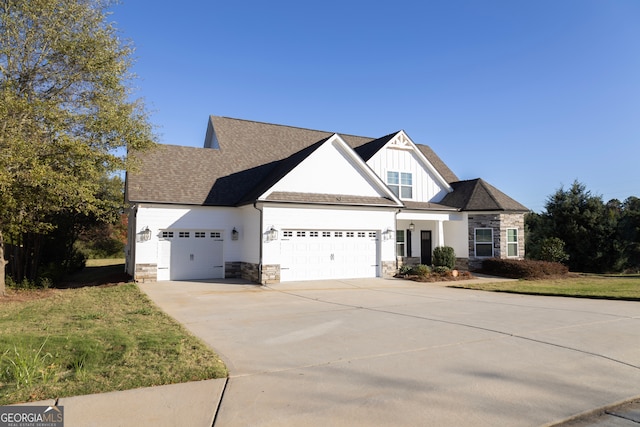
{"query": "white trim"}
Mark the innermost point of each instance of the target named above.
(475, 243)
(511, 243)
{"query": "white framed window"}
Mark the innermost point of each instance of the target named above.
(400, 243)
(183, 234)
(313, 234)
(337, 234)
(373, 234)
(326, 234)
(200, 234)
(215, 235)
(167, 234)
(512, 242)
(401, 183)
(301, 233)
(484, 242)
(350, 234)
(287, 233)
(361, 234)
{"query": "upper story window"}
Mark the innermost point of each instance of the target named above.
(484, 242)
(401, 183)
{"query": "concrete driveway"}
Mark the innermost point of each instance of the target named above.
(396, 353)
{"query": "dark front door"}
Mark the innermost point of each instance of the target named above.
(425, 247)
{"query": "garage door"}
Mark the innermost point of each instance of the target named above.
(190, 255)
(328, 254)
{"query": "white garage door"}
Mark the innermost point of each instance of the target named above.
(190, 255)
(328, 254)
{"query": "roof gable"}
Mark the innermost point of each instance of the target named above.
(329, 167)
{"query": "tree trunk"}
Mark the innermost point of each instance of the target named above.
(2, 264)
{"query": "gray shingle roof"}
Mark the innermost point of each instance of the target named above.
(478, 195)
(246, 158)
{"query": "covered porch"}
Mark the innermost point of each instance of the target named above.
(418, 232)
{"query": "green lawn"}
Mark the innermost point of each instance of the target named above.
(94, 339)
(587, 286)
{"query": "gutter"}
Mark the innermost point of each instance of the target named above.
(255, 206)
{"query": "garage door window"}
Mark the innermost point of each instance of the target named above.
(183, 234)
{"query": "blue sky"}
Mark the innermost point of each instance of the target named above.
(528, 95)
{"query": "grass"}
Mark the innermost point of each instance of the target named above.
(91, 340)
(585, 286)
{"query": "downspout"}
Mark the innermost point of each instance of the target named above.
(255, 206)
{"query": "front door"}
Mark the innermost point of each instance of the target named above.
(425, 247)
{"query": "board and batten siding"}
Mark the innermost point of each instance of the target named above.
(426, 187)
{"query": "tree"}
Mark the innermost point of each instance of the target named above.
(66, 118)
(552, 250)
(628, 232)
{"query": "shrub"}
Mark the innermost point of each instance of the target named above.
(441, 269)
(421, 270)
(523, 269)
(444, 256)
(552, 250)
(405, 269)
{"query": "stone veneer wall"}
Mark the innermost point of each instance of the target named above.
(499, 223)
(270, 274)
(483, 221)
(389, 269)
(146, 273)
(241, 270)
(513, 220)
(405, 260)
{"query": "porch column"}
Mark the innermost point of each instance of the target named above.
(440, 235)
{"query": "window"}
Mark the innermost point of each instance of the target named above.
(313, 234)
(361, 234)
(337, 234)
(167, 234)
(349, 233)
(373, 234)
(183, 234)
(400, 242)
(200, 234)
(401, 183)
(326, 234)
(301, 233)
(484, 242)
(512, 242)
(287, 233)
(215, 235)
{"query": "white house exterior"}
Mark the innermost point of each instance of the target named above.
(273, 203)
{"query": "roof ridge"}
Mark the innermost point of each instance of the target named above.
(488, 188)
(295, 127)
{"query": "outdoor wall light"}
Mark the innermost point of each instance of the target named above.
(272, 234)
(234, 234)
(146, 234)
(386, 234)
(412, 226)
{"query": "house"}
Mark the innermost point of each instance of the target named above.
(272, 203)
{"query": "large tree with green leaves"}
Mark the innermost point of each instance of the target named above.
(66, 112)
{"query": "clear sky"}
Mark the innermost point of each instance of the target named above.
(528, 95)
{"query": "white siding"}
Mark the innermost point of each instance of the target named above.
(328, 170)
(162, 217)
(426, 187)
